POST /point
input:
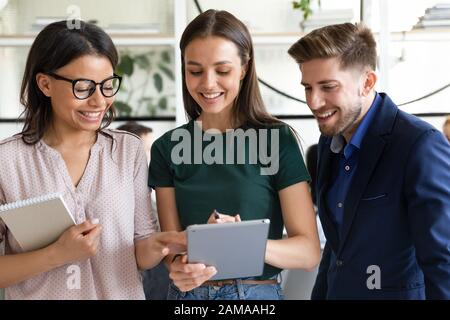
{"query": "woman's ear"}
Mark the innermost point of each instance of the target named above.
(44, 84)
(244, 70)
(370, 79)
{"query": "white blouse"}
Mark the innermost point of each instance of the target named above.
(113, 189)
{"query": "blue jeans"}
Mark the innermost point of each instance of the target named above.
(156, 282)
(236, 291)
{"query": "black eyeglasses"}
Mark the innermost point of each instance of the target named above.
(84, 88)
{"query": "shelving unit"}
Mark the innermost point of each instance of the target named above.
(179, 11)
(275, 38)
(119, 40)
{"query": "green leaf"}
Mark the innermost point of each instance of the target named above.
(165, 56)
(151, 109)
(125, 65)
(162, 103)
(123, 88)
(123, 109)
(142, 61)
(166, 71)
(307, 13)
(158, 82)
(146, 99)
(305, 7)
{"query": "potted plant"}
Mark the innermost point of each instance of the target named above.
(305, 7)
(145, 76)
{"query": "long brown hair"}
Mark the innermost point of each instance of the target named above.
(249, 109)
(54, 47)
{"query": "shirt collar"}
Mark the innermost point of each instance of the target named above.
(338, 141)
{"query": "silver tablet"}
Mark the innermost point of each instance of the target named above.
(235, 249)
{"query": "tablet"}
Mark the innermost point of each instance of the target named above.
(235, 249)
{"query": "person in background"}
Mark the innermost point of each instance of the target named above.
(221, 94)
(383, 177)
(143, 132)
(156, 280)
(68, 93)
(446, 128)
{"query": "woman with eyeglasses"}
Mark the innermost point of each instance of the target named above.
(68, 92)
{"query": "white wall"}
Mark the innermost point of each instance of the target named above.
(418, 66)
(268, 15)
(9, 129)
(418, 60)
(105, 11)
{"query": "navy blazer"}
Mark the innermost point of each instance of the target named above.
(396, 214)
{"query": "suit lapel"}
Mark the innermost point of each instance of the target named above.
(323, 181)
(368, 158)
(371, 150)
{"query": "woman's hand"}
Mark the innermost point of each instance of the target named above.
(151, 250)
(77, 243)
(187, 276)
(217, 217)
(168, 242)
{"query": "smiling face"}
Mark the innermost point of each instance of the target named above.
(213, 72)
(68, 111)
(334, 95)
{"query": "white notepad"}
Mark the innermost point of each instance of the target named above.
(37, 222)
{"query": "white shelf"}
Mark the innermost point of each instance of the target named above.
(438, 34)
(16, 41)
(180, 19)
(119, 40)
(267, 39)
(130, 39)
(143, 41)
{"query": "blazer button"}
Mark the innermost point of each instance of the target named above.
(339, 263)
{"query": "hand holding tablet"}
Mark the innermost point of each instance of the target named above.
(236, 250)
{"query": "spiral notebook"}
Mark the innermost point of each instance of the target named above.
(37, 222)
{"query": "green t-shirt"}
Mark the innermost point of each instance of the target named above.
(229, 176)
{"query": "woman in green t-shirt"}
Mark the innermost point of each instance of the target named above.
(208, 170)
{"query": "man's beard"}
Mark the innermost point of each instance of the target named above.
(344, 124)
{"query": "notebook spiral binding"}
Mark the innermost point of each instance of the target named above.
(30, 201)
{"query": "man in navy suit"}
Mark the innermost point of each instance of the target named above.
(383, 185)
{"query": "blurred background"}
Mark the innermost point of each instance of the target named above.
(413, 43)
